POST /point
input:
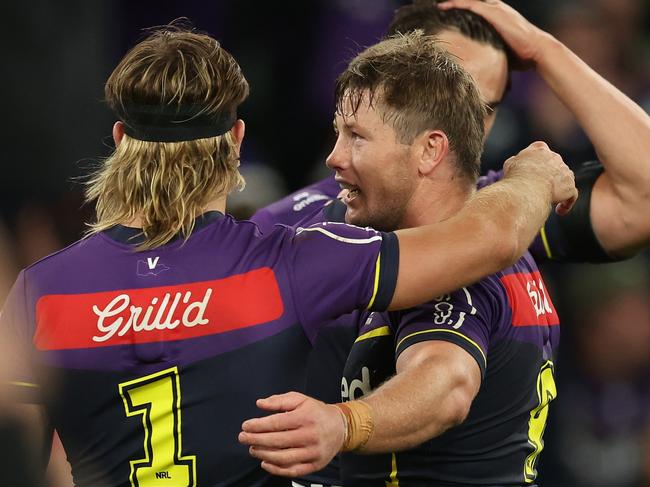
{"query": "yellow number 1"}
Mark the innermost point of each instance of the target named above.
(546, 392)
(157, 398)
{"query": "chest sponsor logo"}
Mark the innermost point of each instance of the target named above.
(356, 389)
(529, 300)
(71, 321)
(304, 199)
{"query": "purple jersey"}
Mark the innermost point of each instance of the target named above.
(296, 207)
(508, 324)
(158, 356)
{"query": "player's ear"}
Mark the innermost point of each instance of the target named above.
(118, 132)
(237, 131)
(434, 146)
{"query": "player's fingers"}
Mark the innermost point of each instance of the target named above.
(539, 144)
(293, 471)
(275, 422)
(277, 439)
(566, 206)
(286, 457)
(478, 7)
(281, 402)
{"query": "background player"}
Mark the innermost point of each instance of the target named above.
(151, 321)
(614, 198)
(502, 330)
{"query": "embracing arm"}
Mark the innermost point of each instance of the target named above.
(617, 127)
(494, 228)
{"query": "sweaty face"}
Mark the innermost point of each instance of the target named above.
(486, 64)
(377, 170)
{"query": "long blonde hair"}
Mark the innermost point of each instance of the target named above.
(167, 184)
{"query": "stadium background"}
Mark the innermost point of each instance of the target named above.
(56, 56)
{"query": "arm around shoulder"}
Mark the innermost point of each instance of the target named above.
(494, 228)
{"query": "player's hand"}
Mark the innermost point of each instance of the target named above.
(301, 438)
(523, 38)
(539, 163)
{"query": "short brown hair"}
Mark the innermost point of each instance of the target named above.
(167, 184)
(418, 86)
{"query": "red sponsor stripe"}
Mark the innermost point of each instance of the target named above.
(529, 300)
(71, 321)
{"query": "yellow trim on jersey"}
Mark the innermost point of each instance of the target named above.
(376, 284)
(446, 331)
(547, 247)
(393, 480)
(23, 384)
(377, 332)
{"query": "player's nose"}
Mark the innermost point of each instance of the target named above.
(339, 157)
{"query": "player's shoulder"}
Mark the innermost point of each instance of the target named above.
(300, 204)
(57, 258)
(339, 231)
(495, 290)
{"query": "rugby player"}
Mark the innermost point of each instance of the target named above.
(165, 324)
(609, 221)
(427, 364)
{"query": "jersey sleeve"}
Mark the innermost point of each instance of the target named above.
(337, 268)
(465, 317)
(18, 369)
(571, 238)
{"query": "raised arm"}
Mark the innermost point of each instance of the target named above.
(491, 231)
(617, 127)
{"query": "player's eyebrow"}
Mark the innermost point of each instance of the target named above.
(350, 124)
(346, 123)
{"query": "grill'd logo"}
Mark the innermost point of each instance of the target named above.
(159, 315)
(154, 314)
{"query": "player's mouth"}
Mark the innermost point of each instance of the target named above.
(350, 192)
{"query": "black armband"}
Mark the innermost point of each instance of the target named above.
(571, 238)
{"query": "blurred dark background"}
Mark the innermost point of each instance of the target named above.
(57, 55)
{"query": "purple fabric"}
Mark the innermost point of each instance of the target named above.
(294, 208)
(322, 272)
(482, 313)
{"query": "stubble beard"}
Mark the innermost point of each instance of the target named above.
(385, 218)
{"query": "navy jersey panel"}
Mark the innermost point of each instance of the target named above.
(510, 327)
(333, 342)
(160, 355)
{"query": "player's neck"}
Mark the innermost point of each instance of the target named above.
(434, 202)
(217, 204)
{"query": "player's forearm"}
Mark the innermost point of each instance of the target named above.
(417, 405)
(617, 127)
(490, 233)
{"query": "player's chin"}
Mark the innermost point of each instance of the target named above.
(355, 216)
